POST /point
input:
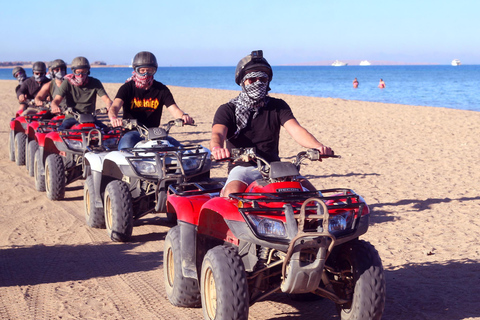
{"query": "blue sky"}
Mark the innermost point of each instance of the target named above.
(220, 33)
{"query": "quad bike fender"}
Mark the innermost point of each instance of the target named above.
(188, 249)
(41, 160)
(187, 209)
(97, 185)
(40, 137)
(31, 129)
(117, 157)
(94, 160)
(18, 124)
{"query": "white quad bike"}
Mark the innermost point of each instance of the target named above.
(124, 185)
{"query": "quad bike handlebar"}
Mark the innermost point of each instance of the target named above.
(249, 155)
(156, 132)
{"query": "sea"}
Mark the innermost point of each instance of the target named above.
(456, 87)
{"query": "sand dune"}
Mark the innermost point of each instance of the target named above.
(417, 167)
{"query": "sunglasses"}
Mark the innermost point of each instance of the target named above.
(255, 79)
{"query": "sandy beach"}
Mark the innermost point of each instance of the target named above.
(417, 167)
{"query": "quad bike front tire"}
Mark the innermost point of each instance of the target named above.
(55, 177)
(11, 145)
(94, 217)
(30, 157)
(118, 211)
(181, 291)
(362, 281)
(224, 287)
(39, 178)
(20, 138)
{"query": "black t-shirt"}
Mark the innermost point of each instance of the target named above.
(263, 132)
(145, 105)
(30, 87)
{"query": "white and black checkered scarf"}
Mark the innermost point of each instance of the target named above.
(251, 99)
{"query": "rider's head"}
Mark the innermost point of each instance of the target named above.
(145, 63)
(39, 71)
(253, 74)
(19, 73)
(58, 69)
(81, 69)
(253, 62)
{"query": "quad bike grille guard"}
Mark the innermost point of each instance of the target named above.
(292, 200)
(299, 238)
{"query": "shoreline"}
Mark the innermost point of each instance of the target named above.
(235, 92)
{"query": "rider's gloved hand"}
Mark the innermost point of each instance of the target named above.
(324, 150)
(187, 119)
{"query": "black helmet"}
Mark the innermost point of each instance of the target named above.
(39, 66)
(254, 61)
(144, 59)
(17, 70)
(80, 63)
(58, 63)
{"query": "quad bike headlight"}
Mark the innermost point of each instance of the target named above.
(74, 144)
(191, 163)
(268, 227)
(144, 167)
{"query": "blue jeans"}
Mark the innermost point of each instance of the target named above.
(130, 139)
(70, 122)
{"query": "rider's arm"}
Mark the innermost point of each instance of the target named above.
(113, 112)
(106, 99)
(55, 104)
(304, 138)
(42, 94)
(219, 134)
(177, 113)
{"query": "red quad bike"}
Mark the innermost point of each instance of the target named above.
(18, 139)
(59, 158)
(230, 252)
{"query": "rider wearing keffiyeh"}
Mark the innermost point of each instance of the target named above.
(254, 119)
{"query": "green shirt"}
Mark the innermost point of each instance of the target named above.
(82, 99)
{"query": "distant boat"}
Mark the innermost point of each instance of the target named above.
(337, 63)
(456, 62)
(364, 63)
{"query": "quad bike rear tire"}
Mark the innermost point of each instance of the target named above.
(39, 178)
(118, 211)
(11, 145)
(20, 138)
(55, 177)
(94, 217)
(362, 271)
(181, 291)
(224, 287)
(30, 157)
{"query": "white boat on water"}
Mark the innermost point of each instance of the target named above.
(456, 62)
(364, 63)
(337, 63)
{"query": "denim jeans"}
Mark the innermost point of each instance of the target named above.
(130, 139)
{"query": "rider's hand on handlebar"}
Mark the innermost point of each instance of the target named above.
(116, 122)
(187, 119)
(220, 153)
(324, 150)
(55, 109)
